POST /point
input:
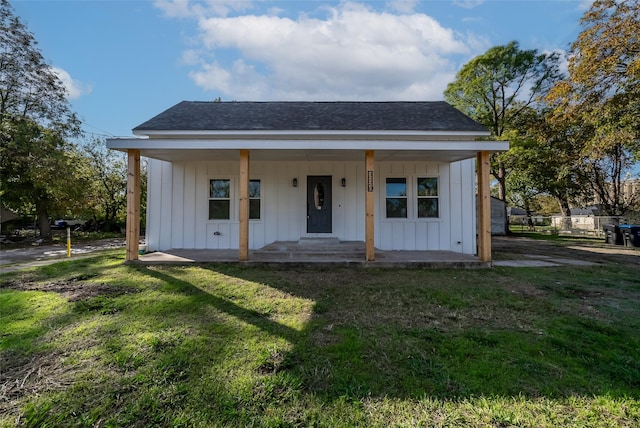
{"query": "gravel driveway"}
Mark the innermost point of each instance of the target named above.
(43, 253)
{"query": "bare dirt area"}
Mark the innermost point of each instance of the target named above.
(74, 289)
(588, 250)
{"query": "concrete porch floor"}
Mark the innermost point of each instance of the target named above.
(318, 252)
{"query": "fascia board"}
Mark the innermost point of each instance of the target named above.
(198, 144)
(304, 134)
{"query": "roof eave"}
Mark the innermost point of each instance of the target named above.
(312, 134)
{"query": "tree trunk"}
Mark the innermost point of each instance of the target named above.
(527, 208)
(501, 177)
(566, 214)
(43, 221)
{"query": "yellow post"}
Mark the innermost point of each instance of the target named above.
(68, 242)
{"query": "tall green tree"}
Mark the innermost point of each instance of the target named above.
(547, 158)
(497, 87)
(37, 164)
(600, 98)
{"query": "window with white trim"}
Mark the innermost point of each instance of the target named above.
(396, 197)
(428, 198)
(220, 199)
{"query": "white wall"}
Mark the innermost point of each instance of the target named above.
(177, 208)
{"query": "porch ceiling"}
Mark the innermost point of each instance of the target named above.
(306, 155)
(435, 151)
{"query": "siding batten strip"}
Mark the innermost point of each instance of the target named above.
(369, 202)
(244, 205)
(484, 208)
(133, 205)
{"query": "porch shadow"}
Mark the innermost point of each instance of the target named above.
(249, 316)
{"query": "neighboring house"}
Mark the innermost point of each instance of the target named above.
(519, 216)
(242, 175)
(586, 219)
(7, 215)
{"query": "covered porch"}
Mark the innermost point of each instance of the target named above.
(366, 249)
(319, 252)
(390, 175)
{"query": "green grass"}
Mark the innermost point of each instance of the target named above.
(94, 342)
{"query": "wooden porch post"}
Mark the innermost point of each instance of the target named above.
(244, 205)
(133, 205)
(484, 207)
(369, 219)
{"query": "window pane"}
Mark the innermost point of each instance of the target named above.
(219, 209)
(427, 207)
(254, 188)
(427, 187)
(254, 209)
(396, 187)
(220, 188)
(396, 208)
(318, 196)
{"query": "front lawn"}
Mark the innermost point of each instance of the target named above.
(93, 342)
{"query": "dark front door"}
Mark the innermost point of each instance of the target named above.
(319, 204)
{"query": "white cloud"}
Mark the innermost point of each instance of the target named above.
(563, 62)
(585, 4)
(75, 88)
(352, 52)
(187, 8)
(468, 4)
(402, 6)
(191, 57)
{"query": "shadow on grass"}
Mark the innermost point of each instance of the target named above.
(199, 295)
(372, 335)
(232, 345)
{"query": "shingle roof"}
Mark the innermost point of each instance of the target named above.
(311, 116)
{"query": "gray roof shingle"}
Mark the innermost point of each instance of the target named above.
(311, 116)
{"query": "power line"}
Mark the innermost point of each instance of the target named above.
(103, 132)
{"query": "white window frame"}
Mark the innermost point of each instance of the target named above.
(406, 197)
(412, 198)
(417, 197)
(234, 202)
(231, 199)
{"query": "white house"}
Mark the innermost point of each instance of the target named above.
(242, 175)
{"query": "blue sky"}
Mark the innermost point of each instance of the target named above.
(126, 61)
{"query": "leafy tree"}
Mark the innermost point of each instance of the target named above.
(523, 193)
(37, 166)
(545, 205)
(499, 86)
(41, 172)
(106, 199)
(550, 155)
(600, 98)
(108, 192)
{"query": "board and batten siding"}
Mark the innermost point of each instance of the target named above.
(178, 207)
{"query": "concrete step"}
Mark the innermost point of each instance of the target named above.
(319, 241)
